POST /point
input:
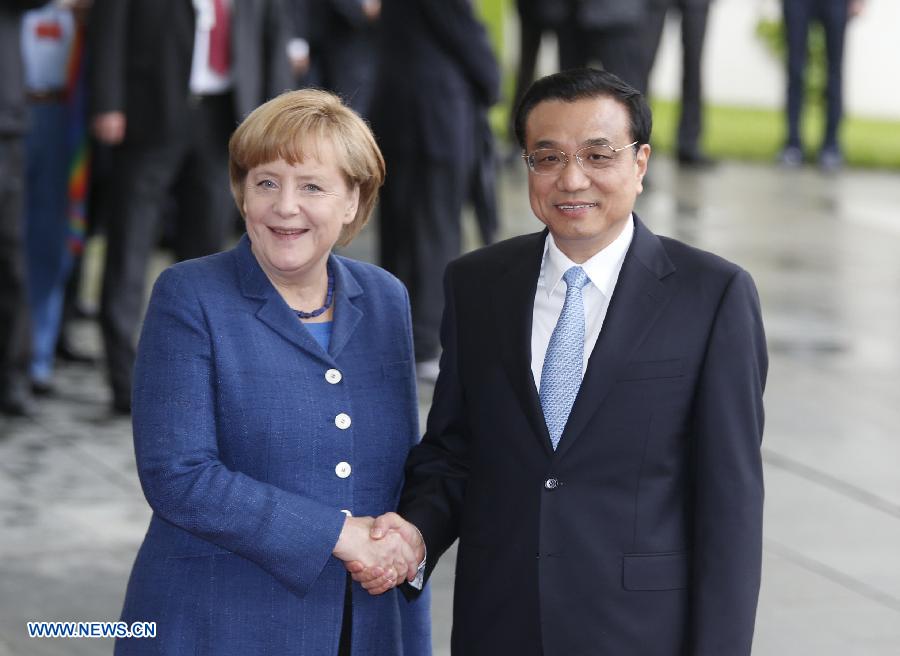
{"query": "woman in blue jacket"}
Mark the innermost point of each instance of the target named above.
(274, 406)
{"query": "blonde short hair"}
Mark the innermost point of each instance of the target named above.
(286, 125)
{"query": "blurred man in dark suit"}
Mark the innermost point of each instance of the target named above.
(605, 32)
(343, 56)
(437, 74)
(169, 83)
(694, 14)
(15, 395)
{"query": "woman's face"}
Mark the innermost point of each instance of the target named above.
(294, 213)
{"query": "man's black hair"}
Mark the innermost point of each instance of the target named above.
(582, 84)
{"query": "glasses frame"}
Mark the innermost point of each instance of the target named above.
(529, 157)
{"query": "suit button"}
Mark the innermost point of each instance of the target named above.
(551, 484)
(342, 469)
(342, 421)
(333, 376)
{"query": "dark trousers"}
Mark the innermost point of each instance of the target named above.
(419, 216)
(144, 175)
(617, 49)
(530, 34)
(798, 14)
(15, 325)
(693, 34)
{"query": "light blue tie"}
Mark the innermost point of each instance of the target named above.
(563, 364)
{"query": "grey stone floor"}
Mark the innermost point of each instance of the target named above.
(824, 252)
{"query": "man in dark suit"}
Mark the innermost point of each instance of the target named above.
(170, 81)
(437, 73)
(694, 14)
(594, 439)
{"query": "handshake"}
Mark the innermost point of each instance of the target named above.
(381, 552)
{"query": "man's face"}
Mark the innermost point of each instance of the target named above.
(585, 209)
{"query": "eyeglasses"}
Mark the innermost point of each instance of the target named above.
(549, 161)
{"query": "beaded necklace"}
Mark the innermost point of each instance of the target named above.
(329, 297)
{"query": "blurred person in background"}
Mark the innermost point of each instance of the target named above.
(536, 17)
(693, 15)
(437, 78)
(274, 407)
(15, 327)
(343, 49)
(169, 81)
(833, 15)
(56, 161)
(604, 32)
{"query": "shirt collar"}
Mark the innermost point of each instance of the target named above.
(602, 269)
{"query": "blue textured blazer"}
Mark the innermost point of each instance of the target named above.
(245, 466)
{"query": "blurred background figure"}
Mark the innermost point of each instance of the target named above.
(607, 32)
(536, 17)
(693, 14)
(169, 83)
(56, 169)
(15, 349)
(833, 16)
(342, 42)
(437, 77)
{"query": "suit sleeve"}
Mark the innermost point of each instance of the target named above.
(182, 476)
(455, 26)
(437, 468)
(728, 480)
(108, 31)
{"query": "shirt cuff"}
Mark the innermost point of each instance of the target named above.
(298, 48)
(419, 581)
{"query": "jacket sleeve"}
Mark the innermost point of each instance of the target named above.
(728, 480)
(455, 26)
(108, 32)
(437, 468)
(181, 473)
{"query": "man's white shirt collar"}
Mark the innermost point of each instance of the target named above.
(602, 269)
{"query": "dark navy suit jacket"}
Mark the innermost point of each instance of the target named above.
(237, 448)
(641, 534)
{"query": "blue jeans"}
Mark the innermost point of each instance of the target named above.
(47, 159)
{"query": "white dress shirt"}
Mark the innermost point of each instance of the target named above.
(204, 80)
(47, 37)
(602, 270)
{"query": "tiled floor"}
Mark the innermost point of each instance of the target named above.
(824, 253)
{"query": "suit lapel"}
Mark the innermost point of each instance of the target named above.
(514, 305)
(346, 314)
(275, 313)
(639, 297)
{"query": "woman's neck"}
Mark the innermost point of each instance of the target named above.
(306, 293)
